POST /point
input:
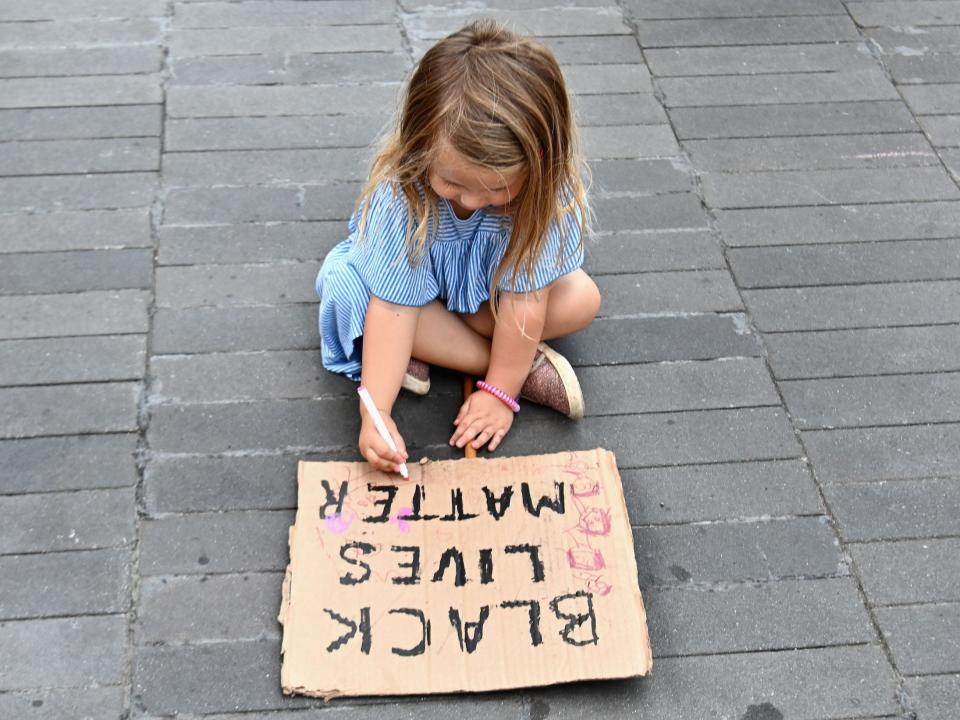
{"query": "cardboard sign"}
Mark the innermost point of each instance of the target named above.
(472, 575)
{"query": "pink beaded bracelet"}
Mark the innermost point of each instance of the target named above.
(499, 394)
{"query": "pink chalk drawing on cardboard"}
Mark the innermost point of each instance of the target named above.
(592, 523)
(339, 523)
(397, 519)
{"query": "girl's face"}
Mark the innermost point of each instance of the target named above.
(471, 187)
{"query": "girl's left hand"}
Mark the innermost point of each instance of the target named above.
(482, 418)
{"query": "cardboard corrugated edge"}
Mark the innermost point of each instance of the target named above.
(610, 459)
(284, 615)
(604, 457)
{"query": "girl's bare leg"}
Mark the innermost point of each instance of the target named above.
(572, 305)
(462, 342)
(444, 339)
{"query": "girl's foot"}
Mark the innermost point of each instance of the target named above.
(417, 377)
(553, 383)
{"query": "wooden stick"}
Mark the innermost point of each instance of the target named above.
(468, 450)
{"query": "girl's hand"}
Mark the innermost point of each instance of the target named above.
(376, 451)
(482, 418)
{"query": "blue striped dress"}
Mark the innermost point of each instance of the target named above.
(457, 268)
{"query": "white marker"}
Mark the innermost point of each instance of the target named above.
(381, 427)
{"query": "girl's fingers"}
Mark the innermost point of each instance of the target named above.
(497, 437)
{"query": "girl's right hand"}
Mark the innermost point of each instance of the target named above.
(375, 449)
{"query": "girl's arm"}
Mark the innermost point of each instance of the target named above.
(484, 418)
(388, 333)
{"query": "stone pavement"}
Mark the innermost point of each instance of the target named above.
(777, 362)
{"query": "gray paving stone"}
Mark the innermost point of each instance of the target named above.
(824, 152)
(68, 409)
(776, 89)
(76, 271)
(76, 651)
(77, 192)
(745, 31)
(91, 313)
(291, 424)
(96, 461)
(505, 704)
(75, 583)
(284, 13)
(201, 543)
(910, 571)
(883, 400)
(640, 108)
(192, 678)
(872, 14)
(826, 187)
(645, 252)
(117, 60)
(593, 79)
(246, 100)
(248, 243)
(902, 39)
(191, 484)
(696, 337)
(598, 49)
(101, 702)
(935, 697)
(845, 263)
(294, 69)
(233, 205)
(660, 387)
(550, 21)
(933, 68)
(76, 359)
(668, 292)
(932, 99)
(233, 329)
(705, 436)
(673, 9)
(262, 167)
(75, 230)
(951, 158)
(692, 493)
(674, 211)
(210, 608)
(773, 615)
(815, 308)
(81, 520)
(54, 10)
(884, 453)
(639, 176)
(629, 141)
(80, 32)
(757, 59)
(838, 683)
(244, 376)
(824, 224)
(67, 92)
(890, 510)
(259, 40)
(821, 118)
(864, 352)
(266, 284)
(86, 122)
(330, 202)
(721, 553)
(314, 131)
(49, 157)
(924, 639)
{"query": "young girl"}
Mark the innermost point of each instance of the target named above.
(465, 249)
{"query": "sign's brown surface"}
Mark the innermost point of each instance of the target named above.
(471, 575)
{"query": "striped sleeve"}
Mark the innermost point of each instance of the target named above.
(381, 259)
(562, 254)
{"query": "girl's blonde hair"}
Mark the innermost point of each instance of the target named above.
(499, 100)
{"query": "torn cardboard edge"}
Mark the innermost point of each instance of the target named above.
(415, 587)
